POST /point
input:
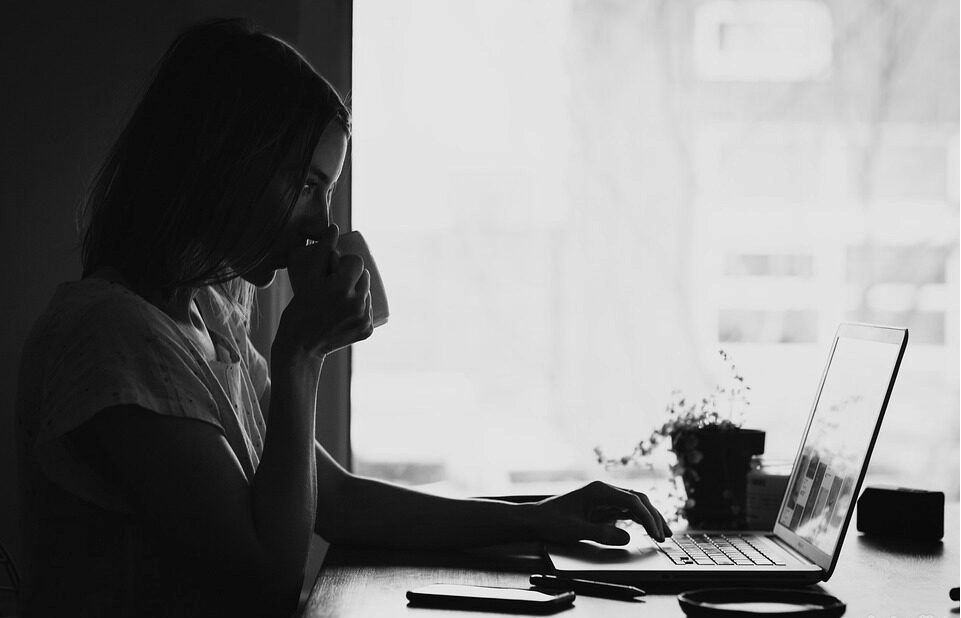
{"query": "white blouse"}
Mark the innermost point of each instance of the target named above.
(87, 550)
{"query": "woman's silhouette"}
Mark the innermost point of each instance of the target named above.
(166, 470)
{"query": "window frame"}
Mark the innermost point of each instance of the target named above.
(324, 37)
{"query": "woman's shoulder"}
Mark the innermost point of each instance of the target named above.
(94, 303)
(94, 313)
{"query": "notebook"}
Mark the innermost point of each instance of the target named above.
(815, 512)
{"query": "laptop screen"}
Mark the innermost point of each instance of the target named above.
(838, 439)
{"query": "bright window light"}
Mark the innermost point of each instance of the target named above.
(762, 40)
(571, 216)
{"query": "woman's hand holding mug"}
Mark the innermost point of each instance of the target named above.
(331, 307)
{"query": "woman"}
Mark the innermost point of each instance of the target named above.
(166, 470)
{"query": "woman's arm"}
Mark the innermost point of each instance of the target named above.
(360, 511)
(189, 483)
(284, 488)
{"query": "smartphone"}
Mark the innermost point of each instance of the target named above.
(515, 600)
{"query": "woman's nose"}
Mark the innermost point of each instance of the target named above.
(325, 212)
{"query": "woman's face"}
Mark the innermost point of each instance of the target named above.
(313, 201)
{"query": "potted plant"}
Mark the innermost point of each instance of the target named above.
(713, 452)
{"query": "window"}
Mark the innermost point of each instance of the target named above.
(784, 265)
(571, 216)
(769, 40)
(767, 326)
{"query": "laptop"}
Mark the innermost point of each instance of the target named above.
(816, 509)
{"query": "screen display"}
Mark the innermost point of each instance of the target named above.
(821, 489)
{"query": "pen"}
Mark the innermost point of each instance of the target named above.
(587, 587)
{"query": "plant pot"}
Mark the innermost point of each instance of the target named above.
(714, 462)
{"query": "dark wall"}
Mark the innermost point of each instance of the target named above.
(70, 73)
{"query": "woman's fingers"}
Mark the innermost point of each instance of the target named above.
(350, 268)
(364, 317)
(639, 512)
(609, 514)
(361, 290)
(352, 281)
(309, 263)
(590, 513)
(358, 325)
(352, 330)
(647, 502)
(331, 307)
(362, 287)
(321, 242)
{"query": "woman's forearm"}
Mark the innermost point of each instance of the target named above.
(284, 489)
(380, 514)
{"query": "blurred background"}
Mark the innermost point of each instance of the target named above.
(576, 203)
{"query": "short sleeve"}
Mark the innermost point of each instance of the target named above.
(118, 353)
(112, 352)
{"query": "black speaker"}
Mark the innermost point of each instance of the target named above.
(900, 512)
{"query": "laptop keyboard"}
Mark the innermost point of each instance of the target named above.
(722, 549)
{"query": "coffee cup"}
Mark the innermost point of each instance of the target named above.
(353, 243)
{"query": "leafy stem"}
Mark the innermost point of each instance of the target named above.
(685, 415)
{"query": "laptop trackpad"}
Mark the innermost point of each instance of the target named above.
(639, 554)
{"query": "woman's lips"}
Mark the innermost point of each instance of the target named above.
(279, 260)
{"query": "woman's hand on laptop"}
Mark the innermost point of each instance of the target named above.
(590, 513)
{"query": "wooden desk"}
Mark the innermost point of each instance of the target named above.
(884, 579)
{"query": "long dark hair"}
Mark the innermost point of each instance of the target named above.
(174, 206)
